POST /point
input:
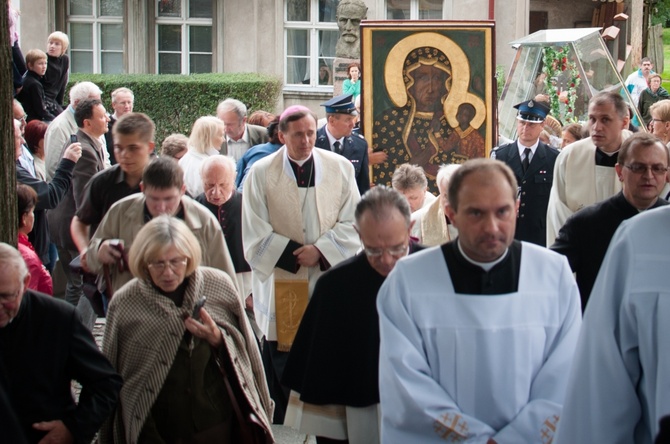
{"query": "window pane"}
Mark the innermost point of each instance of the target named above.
(200, 63)
(327, 42)
(81, 7)
(81, 61)
(112, 63)
(325, 71)
(169, 38)
(81, 36)
(200, 9)
(297, 70)
(430, 9)
(397, 9)
(297, 43)
(169, 64)
(297, 10)
(169, 8)
(200, 38)
(112, 37)
(113, 8)
(327, 10)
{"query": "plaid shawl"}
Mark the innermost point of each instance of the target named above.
(142, 336)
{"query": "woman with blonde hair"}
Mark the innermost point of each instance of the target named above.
(206, 139)
(190, 371)
(660, 120)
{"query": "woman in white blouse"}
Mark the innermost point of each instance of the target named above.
(206, 138)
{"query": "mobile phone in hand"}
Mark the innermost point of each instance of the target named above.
(73, 138)
(198, 306)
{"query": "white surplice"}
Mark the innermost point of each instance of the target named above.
(619, 385)
(466, 368)
(263, 246)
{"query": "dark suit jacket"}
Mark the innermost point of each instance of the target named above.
(257, 135)
(41, 351)
(356, 150)
(91, 161)
(534, 189)
(586, 235)
(49, 195)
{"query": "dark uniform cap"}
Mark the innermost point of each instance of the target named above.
(532, 111)
(343, 104)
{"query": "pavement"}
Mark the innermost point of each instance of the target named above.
(282, 434)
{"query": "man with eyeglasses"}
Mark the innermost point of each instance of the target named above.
(533, 164)
(618, 386)
(584, 171)
(477, 335)
(43, 347)
(642, 169)
(163, 192)
(225, 202)
(336, 368)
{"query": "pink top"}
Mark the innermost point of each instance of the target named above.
(40, 279)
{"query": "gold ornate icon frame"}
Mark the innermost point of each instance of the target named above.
(390, 51)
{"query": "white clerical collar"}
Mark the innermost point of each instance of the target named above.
(244, 138)
(522, 148)
(332, 139)
(299, 162)
(485, 265)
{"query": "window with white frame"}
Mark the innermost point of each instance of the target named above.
(183, 36)
(414, 9)
(310, 35)
(95, 29)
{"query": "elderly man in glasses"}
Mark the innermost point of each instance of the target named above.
(43, 347)
(332, 370)
(642, 169)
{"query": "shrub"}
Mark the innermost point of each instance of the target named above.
(174, 102)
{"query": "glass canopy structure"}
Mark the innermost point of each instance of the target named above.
(568, 66)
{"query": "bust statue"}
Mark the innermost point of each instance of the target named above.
(349, 16)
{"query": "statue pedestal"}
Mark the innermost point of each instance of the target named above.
(340, 65)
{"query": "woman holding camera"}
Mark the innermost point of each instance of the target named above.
(192, 374)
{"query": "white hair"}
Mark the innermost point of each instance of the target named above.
(234, 105)
(444, 176)
(227, 162)
(82, 91)
(10, 256)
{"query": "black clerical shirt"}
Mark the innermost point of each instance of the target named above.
(603, 159)
(469, 278)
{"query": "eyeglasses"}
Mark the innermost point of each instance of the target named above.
(639, 168)
(7, 298)
(396, 252)
(658, 120)
(174, 264)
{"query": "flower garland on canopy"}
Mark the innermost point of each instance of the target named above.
(555, 62)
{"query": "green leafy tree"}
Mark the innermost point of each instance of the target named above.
(659, 11)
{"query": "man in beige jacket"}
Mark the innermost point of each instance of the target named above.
(162, 193)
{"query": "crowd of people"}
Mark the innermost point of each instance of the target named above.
(251, 274)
